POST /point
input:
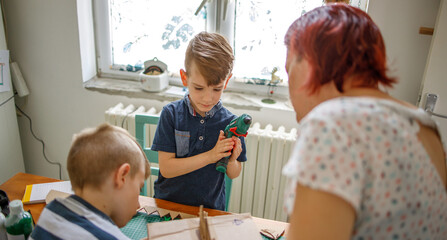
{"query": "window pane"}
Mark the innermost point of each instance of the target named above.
(259, 35)
(144, 29)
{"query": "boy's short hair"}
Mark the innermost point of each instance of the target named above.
(97, 152)
(212, 55)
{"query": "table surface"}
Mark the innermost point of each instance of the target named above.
(15, 188)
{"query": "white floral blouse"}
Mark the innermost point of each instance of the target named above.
(367, 152)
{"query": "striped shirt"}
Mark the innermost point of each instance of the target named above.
(74, 218)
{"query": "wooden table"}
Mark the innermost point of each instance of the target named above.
(15, 188)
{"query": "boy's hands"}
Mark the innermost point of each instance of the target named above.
(170, 166)
(237, 149)
(222, 148)
(234, 167)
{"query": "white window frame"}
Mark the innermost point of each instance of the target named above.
(104, 54)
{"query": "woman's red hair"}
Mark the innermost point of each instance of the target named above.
(339, 41)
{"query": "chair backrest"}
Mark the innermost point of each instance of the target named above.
(141, 122)
(228, 183)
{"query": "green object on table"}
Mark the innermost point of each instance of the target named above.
(19, 224)
(136, 227)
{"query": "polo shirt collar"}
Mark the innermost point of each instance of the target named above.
(193, 112)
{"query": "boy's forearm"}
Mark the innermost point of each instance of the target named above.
(233, 169)
(170, 166)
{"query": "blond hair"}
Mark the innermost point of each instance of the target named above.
(97, 152)
(212, 55)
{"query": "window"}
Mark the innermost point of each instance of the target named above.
(143, 29)
(132, 31)
(259, 36)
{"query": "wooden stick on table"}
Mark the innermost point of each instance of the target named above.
(203, 225)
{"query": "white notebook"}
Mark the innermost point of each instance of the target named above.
(36, 193)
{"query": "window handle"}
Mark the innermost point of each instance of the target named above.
(430, 105)
(437, 115)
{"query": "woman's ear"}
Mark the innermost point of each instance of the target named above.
(228, 79)
(184, 77)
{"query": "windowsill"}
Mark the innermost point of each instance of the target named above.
(132, 89)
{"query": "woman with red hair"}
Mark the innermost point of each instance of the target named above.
(365, 165)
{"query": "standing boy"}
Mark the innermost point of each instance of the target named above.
(107, 169)
(189, 136)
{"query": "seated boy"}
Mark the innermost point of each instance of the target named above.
(107, 169)
(189, 137)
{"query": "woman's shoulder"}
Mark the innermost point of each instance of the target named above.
(361, 107)
(347, 108)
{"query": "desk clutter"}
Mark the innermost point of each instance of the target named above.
(137, 227)
(166, 224)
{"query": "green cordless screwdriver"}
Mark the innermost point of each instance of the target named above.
(239, 128)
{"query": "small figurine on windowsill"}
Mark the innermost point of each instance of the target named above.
(272, 86)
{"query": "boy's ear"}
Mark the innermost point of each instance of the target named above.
(228, 79)
(120, 174)
(183, 77)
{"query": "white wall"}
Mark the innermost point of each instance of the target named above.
(11, 159)
(436, 71)
(43, 39)
(399, 21)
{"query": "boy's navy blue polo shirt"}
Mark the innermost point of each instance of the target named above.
(184, 132)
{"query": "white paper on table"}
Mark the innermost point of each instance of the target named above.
(234, 226)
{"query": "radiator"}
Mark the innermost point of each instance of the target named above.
(259, 189)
